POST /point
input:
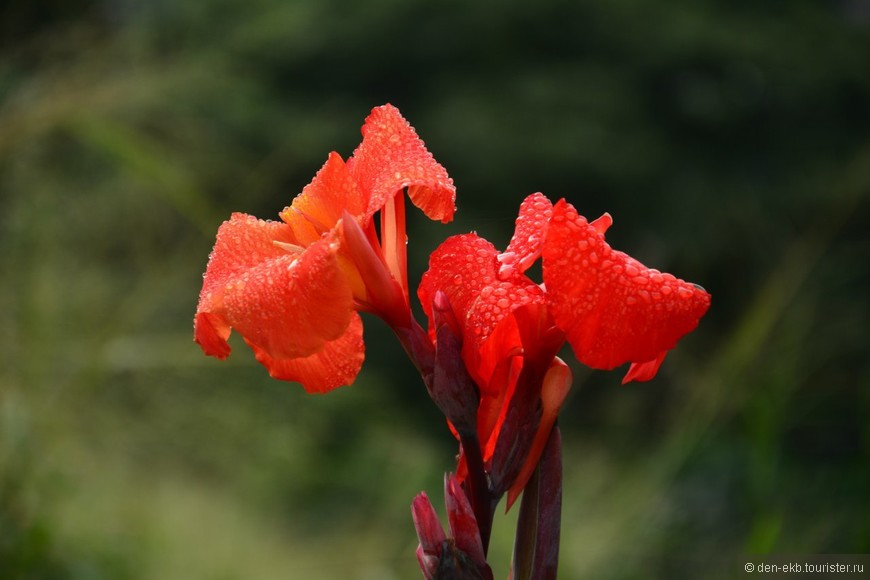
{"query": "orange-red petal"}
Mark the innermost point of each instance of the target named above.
(291, 305)
(528, 239)
(211, 332)
(644, 371)
(243, 242)
(321, 203)
(335, 365)
(465, 269)
(493, 330)
(460, 267)
(391, 157)
(612, 308)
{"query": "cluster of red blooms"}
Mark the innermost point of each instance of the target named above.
(293, 289)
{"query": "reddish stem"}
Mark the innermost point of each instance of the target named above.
(482, 501)
(419, 348)
(536, 547)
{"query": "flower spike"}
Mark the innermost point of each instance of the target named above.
(293, 289)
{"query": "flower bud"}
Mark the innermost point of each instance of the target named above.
(460, 556)
(453, 389)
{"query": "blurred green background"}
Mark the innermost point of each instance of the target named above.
(730, 140)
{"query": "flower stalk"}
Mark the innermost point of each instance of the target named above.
(536, 547)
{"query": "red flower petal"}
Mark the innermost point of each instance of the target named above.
(494, 400)
(554, 389)
(644, 371)
(391, 157)
(320, 205)
(335, 365)
(211, 333)
(289, 306)
(528, 239)
(460, 267)
(464, 268)
(243, 242)
(492, 330)
(612, 308)
(602, 224)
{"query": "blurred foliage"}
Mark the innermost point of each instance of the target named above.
(729, 140)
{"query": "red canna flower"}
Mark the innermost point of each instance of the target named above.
(608, 306)
(292, 288)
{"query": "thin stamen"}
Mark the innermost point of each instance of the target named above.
(394, 239)
(292, 248)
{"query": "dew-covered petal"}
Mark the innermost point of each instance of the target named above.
(243, 242)
(291, 305)
(391, 157)
(211, 332)
(465, 269)
(496, 301)
(612, 308)
(320, 205)
(528, 239)
(493, 330)
(460, 267)
(335, 365)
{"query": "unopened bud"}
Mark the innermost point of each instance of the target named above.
(459, 557)
(463, 523)
(453, 389)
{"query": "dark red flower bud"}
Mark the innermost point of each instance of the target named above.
(453, 389)
(463, 523)
(429, 532)
(458, 557)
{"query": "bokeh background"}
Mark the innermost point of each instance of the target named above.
(729, 139)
